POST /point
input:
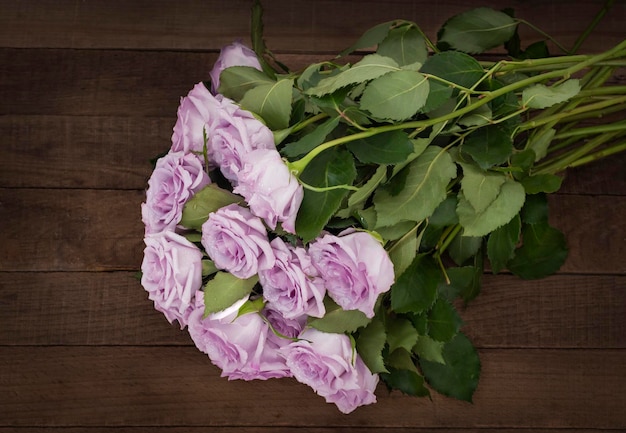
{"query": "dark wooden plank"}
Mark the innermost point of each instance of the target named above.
(90, 230)
(114, 153)
(290, 429)
(80, 308)
(174, 386)
(290, 25)
(95, 308)
(81, 151)
(95, 230)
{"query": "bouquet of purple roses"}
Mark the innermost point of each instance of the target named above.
(320, 224)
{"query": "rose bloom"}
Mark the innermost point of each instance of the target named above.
(171, 274)
(230, 131)
(324, 361)
(355, 268)
(289, 328)
(196, 112)
(176, 177)
(292, 285)
(237, 241)
(271, 190)
(233, 134)
(235, 54)
(240, 346)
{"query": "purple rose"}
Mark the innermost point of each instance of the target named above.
(292, 285)
(237, 241)
(355, 268)
(289, 328)
(196, 112)
(232, 135)
(235, 54)
(238, 345)
(176, 177)
(230, 131)
(171, 274)
(327, 363)
(271, 190)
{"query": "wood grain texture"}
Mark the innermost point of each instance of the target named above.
(290, 25)
(95, 308)
(89, 91)
(177, 386)
(91, 230)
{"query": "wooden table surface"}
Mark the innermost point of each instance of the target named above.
(88, 94)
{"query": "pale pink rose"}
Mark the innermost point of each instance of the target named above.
(176, 178)
(235, 133)
(271, 190)
(235, 54)
(171, 274)
(237, 241)
(196, 112)
(240, 346)
(292, 285)
(327, 363)
(355, 268)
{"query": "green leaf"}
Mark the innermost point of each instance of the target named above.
(416, 289)
(370, 344)
(476, 30)
(208, 199)
(396, 231)
(543, 251)
(540, 142)
(405, 45)
(272, 102)
(535, 209)
(547, 183)
(445, 213)
(453, 66)
(224, 290)
(403, 252)
(425, 187)
(502, 242)
(331, 167)
(443, 320)
(370, 67)
(488, 146)
(400, 334)
(429, 349)
(458, 377)
(371, 37)
(541, 96)
(463, 282)
(340, 321)
(237, 80)
(311, 140)
(480, 188)
(208, 267)
(390, 147)
(360, 196)
(407, 381)
(502, 210)
(463, 247)
(397, 95)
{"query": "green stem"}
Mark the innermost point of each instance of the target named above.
(538, 30)
(561, 162)
(598, 155)
(561, 116)
(447, 238)
(298, 166)
(306, 122)
(591, 130)
(583, 36)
